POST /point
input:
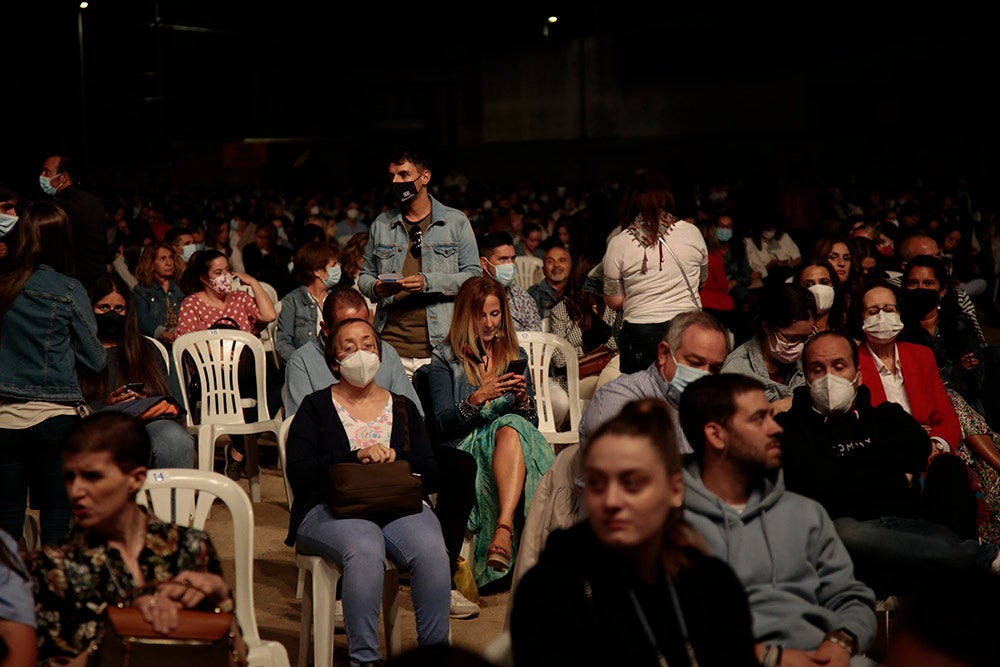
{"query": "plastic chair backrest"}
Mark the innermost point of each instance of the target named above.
(286, 425)
(528, 267)
(162, 350)
(215, 354)
(540, 348)
(184, 497)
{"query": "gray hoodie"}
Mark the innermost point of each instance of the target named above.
(797, 574)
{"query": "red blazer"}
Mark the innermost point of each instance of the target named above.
(922, 380)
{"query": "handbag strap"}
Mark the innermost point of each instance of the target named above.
(681, 269)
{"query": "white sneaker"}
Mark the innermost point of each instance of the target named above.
(462, 607)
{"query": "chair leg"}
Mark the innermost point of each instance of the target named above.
(390, 613)
(253, 467)
(300, 584)
(306, 624)
(324, 594)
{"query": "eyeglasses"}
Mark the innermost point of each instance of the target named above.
(416, 236)
(103, 308)
(791, 340)
(871, 311)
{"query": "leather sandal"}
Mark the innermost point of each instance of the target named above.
(498, 557)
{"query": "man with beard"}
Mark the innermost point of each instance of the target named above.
(547, 293)
(417, 257)
(807, 607)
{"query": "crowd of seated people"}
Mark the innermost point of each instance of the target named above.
(906, 283)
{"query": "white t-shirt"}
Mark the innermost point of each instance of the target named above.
(781, 249)
(659, 294)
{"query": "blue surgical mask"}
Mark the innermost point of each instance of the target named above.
(46, 184)
(188, 251)
(724, 234)
(199, 247)
(7, 223)
(234, 224)
(683, 376)
(332, 276)
(505, 273)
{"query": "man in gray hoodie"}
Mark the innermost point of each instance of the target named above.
(783, 547)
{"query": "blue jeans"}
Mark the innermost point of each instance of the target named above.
(30, 460)
(890, 550)
(360, 547)
(173, 446)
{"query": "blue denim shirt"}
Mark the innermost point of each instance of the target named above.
(306, 371)
(449, 257)
(49, 330)
(449, 386)
(151, 306)
(296, 322)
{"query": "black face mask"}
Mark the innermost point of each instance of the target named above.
(405, 192)
(919, 302)
(110, 325)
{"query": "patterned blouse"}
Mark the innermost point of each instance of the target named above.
(76, 580)
(196, 315)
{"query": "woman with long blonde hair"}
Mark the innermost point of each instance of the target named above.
(484, 405)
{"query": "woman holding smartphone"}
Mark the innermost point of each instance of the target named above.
(482, 398)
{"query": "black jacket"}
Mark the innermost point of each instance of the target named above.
(574, 608)
(854, 464)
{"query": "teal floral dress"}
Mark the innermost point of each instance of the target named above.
(473, 429)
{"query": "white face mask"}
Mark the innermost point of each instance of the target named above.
(784, 352)
(832, 394)
(7, 223)
(359, 368)
(824, 297)
(882, 326)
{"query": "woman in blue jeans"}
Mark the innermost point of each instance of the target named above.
(357, 421)
(47, 334)
(133, 360)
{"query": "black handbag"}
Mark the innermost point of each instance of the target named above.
(379, 492)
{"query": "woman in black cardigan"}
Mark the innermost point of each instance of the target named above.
(631, 586)
(356, 421)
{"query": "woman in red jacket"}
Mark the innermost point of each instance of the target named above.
(904, 373)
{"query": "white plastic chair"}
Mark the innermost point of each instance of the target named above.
(215, 354)
(268, 334)
(540, 347)
(317, 588)
(162, 350)
(184, 497)
(529, 270)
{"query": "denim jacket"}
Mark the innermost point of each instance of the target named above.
(151, 306)
(49, 330)
(450, 390)
(450, 256)
(296, 322)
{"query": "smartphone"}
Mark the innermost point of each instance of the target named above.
(518, 366)
(137, 387)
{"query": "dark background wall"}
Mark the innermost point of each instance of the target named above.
(819, 91)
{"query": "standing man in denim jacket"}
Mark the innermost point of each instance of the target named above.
(432, 246)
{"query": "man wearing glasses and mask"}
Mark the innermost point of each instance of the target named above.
(417, 257)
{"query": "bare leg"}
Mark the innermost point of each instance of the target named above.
(509, 472)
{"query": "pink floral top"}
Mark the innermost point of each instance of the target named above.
(196, 315)
(363, 434)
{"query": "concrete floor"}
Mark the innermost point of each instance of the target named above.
(279, 613)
